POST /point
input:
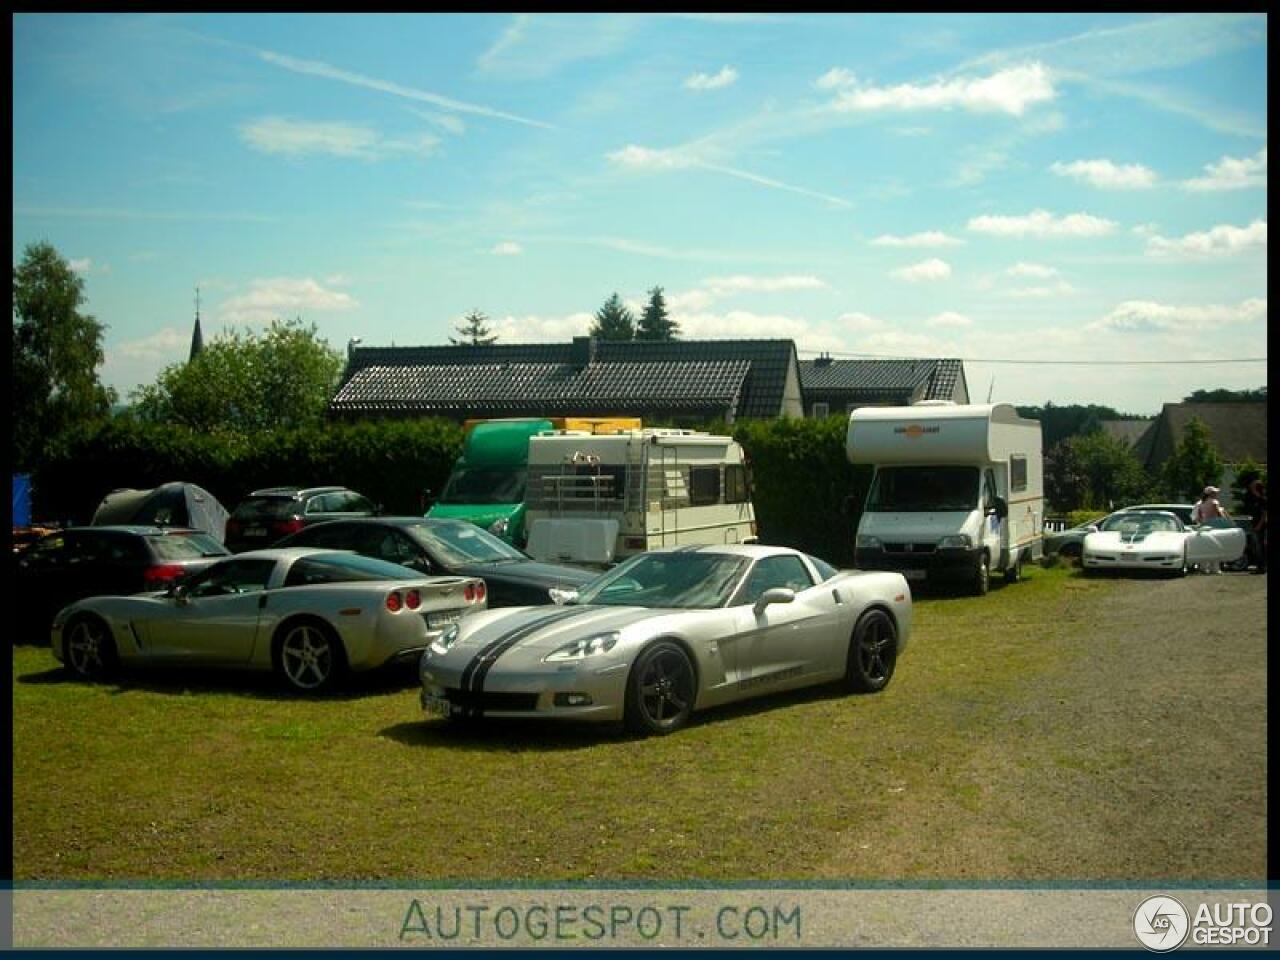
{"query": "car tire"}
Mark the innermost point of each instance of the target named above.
(661, 689)
(89, 648)
(982, 576)
(1071, 553)
(873, 653)
(308, 656)
(1014, 574)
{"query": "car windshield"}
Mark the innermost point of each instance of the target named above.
(688, 581)
(923, 489)
(457, 543)
(1138, 523)
(186, 546)
(485, 485)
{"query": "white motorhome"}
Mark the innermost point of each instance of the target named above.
(958, 491)
(594, 499)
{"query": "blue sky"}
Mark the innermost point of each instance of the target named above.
(997, 188)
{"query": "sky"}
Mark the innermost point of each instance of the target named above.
(1006, 189)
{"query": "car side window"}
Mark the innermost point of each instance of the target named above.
(335, 536)
(247, 575)
(86, 548)
(319, 504)
(771, 572)
(305, 572)
(357, 504)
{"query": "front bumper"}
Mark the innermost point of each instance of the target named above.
(526, 693)
(953, 564)
(1131, 560)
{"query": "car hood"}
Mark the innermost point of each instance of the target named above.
(1104, 540)
(528, 572)
(539, 630)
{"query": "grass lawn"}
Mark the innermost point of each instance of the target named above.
(997, 753)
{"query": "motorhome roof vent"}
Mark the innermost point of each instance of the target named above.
(934, 403)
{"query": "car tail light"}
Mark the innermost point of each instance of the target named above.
(469, 593)
(412, 599)
(161, 573)
(282, 528)
(481, 590)
(393, 602)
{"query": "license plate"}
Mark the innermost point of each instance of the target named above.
(254, 531)
(443, 618)
(915, 574)
(436, 706)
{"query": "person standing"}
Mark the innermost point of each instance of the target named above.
(1255, 504)
(1208, 510)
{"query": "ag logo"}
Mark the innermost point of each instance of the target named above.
(1161, 923)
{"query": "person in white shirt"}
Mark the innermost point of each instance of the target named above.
(1207, 510)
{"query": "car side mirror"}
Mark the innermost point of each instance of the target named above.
(773, 595)
(1001, 507)
(560, 597)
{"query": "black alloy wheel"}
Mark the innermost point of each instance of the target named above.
(660, 690)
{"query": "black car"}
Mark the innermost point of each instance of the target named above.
(447, 547)
(79, 562)
(265, 516)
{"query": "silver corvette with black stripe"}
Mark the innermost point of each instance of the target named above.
(672, 631)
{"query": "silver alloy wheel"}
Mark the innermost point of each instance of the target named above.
(86, 643)
(306, 654)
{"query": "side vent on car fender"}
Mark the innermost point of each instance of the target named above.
(835, 595)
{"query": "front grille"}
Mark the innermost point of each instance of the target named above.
(488, 700)
(909, 547)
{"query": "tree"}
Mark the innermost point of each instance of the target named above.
(475, 331)
(57, 350)
(1094, 471)
(614, 321)
(1060, 422)
(243, 382)
(655, 322)
(1195, 463)
(1222, 395)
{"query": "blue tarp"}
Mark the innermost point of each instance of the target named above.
(21, 500)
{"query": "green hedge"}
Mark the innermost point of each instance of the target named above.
(802, 478)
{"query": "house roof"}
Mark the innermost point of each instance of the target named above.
(1238, 430)
(693, 376)
(1129, 431)
(878, 378)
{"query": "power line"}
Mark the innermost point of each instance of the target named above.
(1074, 363)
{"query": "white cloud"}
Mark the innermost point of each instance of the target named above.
(283, 297)
(300, 138)
(1145, 229)
(635, 157)
(1041, 223)
(1107, 175)
(161, 346)
(1059, 289)
(949, 318)
(533, 328)
(1221, 240)
(859, 322)
(835, 79)
(931, 269)
(507, 248)
(1149, 316)
(1232, 173)
(741, 283)
(1031, 270)
(726, 77)
(929, 238)
(81, 265)
(1009, 91)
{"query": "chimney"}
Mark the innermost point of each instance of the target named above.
(584, 352)
(824, 360)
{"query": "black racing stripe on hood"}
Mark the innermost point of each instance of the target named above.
(482, 669)
(494, 648)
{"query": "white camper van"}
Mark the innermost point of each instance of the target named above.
(958, 491)
(594, 499)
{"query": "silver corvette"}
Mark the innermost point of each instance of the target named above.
(673, 631)
(306, 613)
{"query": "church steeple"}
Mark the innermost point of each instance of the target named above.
(197, 338)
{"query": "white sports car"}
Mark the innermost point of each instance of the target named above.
(308, 614)
(672, 631)
(1157, 540)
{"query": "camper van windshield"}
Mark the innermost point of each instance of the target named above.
(921, 489)
(484, 485)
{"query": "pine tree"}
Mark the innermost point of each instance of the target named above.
(656, 323)
(475, 331)
(614, 321)
(1195, 463)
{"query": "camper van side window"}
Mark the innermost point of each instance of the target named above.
(704, 486)
(1017, 473)
(735, 483)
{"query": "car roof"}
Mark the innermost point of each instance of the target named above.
(750, 550)
(142, 530)
(285, 553)
(295, 491)
(1158, 506)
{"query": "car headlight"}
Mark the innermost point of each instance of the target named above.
(962, 540)
(499, 527)
(868, 543)
(586, 647)
(447, 639)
